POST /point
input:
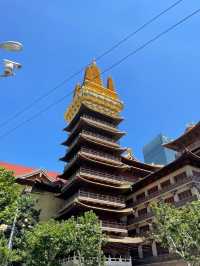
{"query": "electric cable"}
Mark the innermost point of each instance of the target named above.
(98, 58)
(104, 71)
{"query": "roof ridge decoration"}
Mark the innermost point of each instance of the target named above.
(93, 94)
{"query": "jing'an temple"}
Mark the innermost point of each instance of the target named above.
(101, 175)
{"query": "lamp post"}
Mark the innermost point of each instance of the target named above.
(10, 66)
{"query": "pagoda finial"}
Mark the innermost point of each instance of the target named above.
(93, 74)
(129, 154)
(94, 61)
(110, 84)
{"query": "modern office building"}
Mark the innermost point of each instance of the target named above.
(154, 152)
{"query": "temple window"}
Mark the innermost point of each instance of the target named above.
(140, 196)
(180, 177)
(165, 184)
(185, 194)
(196, 173)
(142, 212)
(129, 202)
(130, 218)
(169, 200)
(133, 232)
(153, 190)
(144, 229)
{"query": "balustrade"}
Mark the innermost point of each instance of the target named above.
(101, 154)
(98, 136)
(102, 174)
(101, 197)
(114, 225)
(99, 120)
(109, 261)
(145, 216)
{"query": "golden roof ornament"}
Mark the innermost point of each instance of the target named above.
(93, 74)
(110, 84)
(129, 154)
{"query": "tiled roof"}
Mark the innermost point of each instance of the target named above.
(20, 170)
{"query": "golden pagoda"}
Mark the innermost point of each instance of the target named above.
(97, 178)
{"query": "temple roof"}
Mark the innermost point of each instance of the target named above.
(29, 175)
(140, 165)
(190, 135)
(84, 108)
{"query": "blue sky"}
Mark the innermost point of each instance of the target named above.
(160, 86)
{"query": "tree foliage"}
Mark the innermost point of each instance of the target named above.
(82, 237)
(9, 192)
(179, 230)
(14, 203)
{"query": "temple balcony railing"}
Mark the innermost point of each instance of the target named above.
(101, 197)
(104, 175)
(140, 218)
(98, 136)
(114, 227)
(87, 151)
(149, 215)
(183, 202)
(158, 193)
(101, 122)
(94, 198)
(113, 224)
(97, 175)
(109, 261)
(100, 154)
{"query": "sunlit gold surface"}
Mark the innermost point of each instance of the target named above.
(93, 94)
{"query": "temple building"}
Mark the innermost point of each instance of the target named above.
(42, 185)
(98, 176)
(101, 175)
(177, 183)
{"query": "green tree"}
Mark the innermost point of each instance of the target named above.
(89, 240)
(9, 193)
(14, 203)
(51, 241)
(179, 230)
(48, 242)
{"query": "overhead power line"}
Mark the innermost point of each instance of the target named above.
(98, 58)
(104, 71)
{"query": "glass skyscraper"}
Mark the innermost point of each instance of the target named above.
(154, 152)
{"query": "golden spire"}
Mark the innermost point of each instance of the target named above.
(93, 74)
(93, 94)
(110, 84)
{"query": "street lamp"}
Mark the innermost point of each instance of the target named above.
(10, 66)
(11, 46)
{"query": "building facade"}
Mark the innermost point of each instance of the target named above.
(155, 152)
(101, 175)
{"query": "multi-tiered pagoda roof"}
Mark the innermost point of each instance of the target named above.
(98, 174)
